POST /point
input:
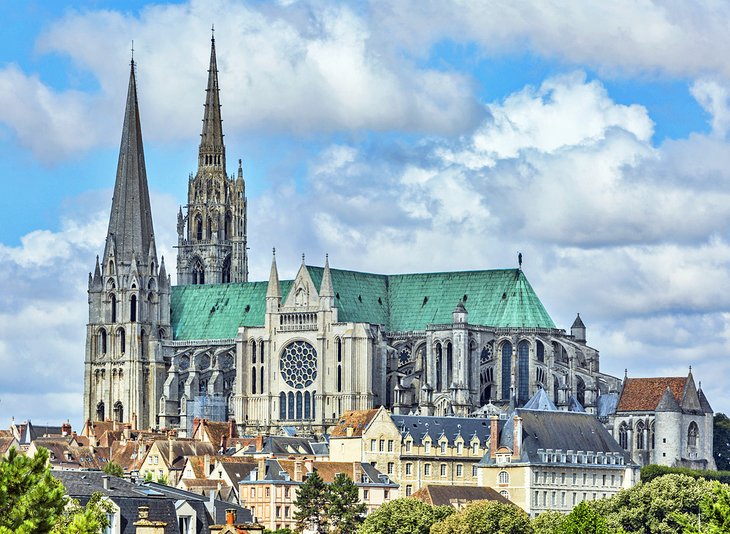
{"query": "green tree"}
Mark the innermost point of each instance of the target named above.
(654, 507)
(721, 441)
(714, 516)
(548, 522)
(311, 504)
(583, 519)
(344, 509)
(32, 501)
(114, 469)
(486, 517)
(162, 479)
(404, 516)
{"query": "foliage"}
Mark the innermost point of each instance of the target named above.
(33, 502)
(279, 531)
(89, 519)
(654, 507)
(162, 479)
(344, 510)
(548, 522)
(721, 442)
(714, 516)
(114, 469)
(650, 472)
(486, 517)
(404, 516)
(310, 504)
(583, 519)
(148, 476)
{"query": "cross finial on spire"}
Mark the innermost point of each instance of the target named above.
(273, 251)
(212, 32)
(302, 258)
(132, 49)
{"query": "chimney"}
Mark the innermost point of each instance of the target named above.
(105, 481)
(66, 429)
(517, 438)
(259, 442)
(230, 516)
(309, 464)
(231, 428)
(262, 468)
(127, 433)
(134, 421)
(298, 471)
(144, 525)
(206, 465)
(356, 472)
(170, 456)
(493, 435)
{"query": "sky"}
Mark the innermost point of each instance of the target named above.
(408, 136)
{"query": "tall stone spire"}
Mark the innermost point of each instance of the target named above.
(273, 290)
(212, 151)
(130, 223)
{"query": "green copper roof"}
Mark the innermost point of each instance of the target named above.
(499, 298)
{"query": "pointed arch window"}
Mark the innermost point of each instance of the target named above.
(253, 380)
(640, 427)
(133, 308)
(209, 232)
(540, 352)
(118, 412)
(113, 301)
(228, 227)
(198, 228)
(282, 406)
(506, 369)
(102, 341)
(100, 411)
(253, 351)
(449, 365)
(226, 272)
(307, 405)
(143, 339)
(290, 405)
(198, 272)
(581, 391)
(523, 369)
(122, 341)
(693, 433)
(623, 436)
(299, 405)
(439, 354)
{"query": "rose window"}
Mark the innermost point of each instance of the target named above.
(298, 364)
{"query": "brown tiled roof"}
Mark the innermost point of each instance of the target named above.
(453, 495)
(183, 448)
(357, 420)
(326, 470)
(6, 442)
(212, 431)
(644, 394)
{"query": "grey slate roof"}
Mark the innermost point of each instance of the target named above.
(419, 426)
(128, 497)
(203, 504)
(574, 405)
(668, 403)
(578, 323)
(540, 401)
(704, 403)
(606, 404)
(558, 430)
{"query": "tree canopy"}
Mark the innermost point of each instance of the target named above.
(32, 501)
(485, 517)
(404, 516)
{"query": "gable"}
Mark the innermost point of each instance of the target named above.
(644, 394)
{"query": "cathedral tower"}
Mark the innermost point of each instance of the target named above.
(212, 233)
(129, 296)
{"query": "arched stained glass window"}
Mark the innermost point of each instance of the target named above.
(299, 405)
(307, 405)
(523, 368)
(282, 406)
(506, 369)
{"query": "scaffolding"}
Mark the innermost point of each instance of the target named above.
(210, 407)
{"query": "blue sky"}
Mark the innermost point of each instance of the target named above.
(397, 137)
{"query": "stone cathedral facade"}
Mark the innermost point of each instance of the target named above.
(299, 353)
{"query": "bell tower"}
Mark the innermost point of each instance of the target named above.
(129, 296)
(212, 231)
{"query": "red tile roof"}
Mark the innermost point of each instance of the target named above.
(456, 495)
(644, 394)
(357, 420)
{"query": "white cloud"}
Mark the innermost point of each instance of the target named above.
(686, 39)
(713, 97)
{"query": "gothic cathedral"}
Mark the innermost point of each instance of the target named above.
(299, 353)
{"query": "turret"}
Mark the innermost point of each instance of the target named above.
(326, 291)
(273, 291)
(578, 330)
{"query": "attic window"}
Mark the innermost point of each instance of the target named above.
(425, 300)
(359, 297)
(247, 308)
(380, 301)
(465, 297)
(504, 296)
(337, 296)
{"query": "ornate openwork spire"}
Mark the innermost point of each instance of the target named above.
(212, 152)
(130, 223)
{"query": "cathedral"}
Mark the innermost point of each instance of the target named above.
(299, 353)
